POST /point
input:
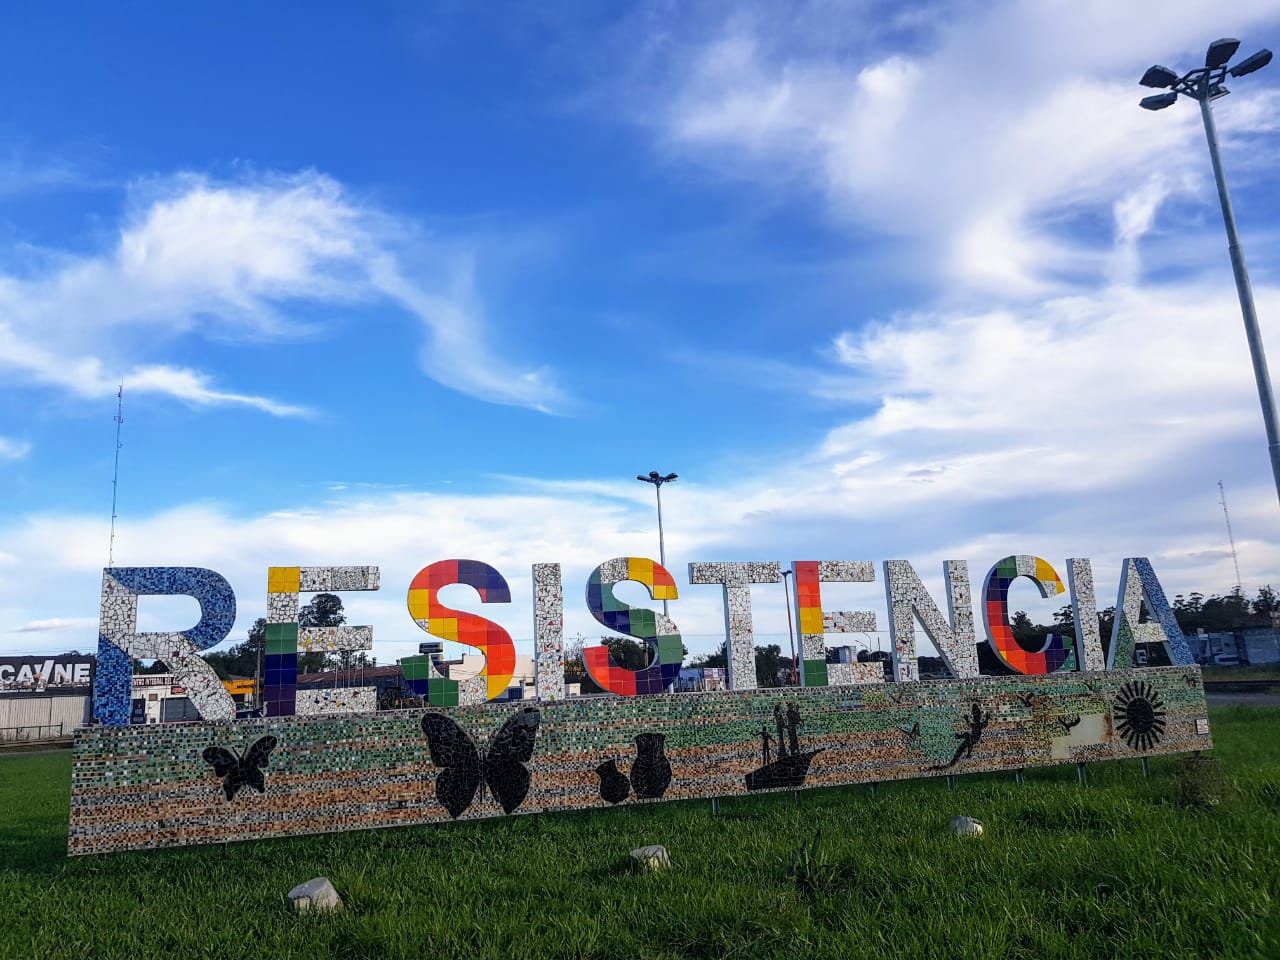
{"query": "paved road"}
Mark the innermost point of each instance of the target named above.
(1228, 699)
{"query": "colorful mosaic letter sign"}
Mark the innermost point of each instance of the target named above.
(463, 756)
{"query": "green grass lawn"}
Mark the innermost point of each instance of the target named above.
(1115, 869)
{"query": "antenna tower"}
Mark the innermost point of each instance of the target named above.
(115, 476)
(1230, 538)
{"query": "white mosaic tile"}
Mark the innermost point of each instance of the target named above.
(548, 631)
(908, 600)
(736, 579)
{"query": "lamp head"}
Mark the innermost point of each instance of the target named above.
(1255, 61)
(1159, 77)
(1159, 101)
(1220, 51)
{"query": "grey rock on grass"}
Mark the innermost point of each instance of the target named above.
(315, 895)
(966, 826)
(652, 857)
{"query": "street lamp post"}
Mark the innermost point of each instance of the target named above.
(1205, 84)
(786, 588)
(658, 480)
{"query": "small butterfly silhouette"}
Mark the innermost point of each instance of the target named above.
(237, 771)
(1028, 702)
(464, 769)
(913, 732)
(1068, 724)
(1191, 680)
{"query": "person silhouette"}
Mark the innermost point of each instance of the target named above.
(777, 719)
(793, 721)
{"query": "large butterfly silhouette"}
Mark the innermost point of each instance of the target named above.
(237, 771)
(463, 769)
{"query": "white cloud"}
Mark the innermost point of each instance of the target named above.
(226, 260)
(58, 625)
(972, 138)
(13, 449)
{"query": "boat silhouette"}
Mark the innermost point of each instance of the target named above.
(791, 766)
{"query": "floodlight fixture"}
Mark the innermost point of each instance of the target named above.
(1159, 101)
(1158, 77)
(1255, 61)
(1205, 85)
(1220, 51)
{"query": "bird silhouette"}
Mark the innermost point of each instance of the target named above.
(614, 784)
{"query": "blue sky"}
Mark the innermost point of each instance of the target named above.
(879, 281)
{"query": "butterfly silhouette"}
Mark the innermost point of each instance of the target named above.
(1068, 724)
(463, 769)
(237, 771)
(913, 732)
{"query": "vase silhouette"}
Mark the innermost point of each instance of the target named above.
(651, 773)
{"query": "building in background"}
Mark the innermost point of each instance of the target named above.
(45, 698)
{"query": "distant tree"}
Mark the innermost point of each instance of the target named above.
(242, 659)
(1064, 621)
(626, 652)
(324, 610)
(1265, 603)
(716, 660)
(769, 665)
(1025, 632)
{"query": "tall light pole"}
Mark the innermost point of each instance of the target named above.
(786, 589)
(658, 480)
(1205, 84)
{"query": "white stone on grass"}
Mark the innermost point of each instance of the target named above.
(315, 895)
(966, 826)
(653, 857)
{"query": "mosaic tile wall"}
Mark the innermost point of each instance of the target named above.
(1138, 582)
(175, 784)
(1084, 610)
(119, 642)
(1058, 652)
(548, 632)
(813, 624)
(659, 633)
(285, 638)
(736, 579)
(908, 601)
(445, 623)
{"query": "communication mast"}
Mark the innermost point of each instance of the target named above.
(1230, 538)
(115, 476)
